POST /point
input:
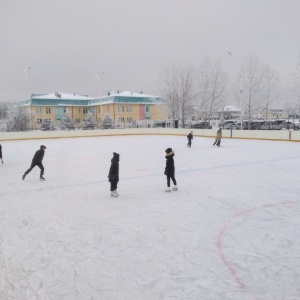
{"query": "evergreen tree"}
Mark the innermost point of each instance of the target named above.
(47, 125)
(89, 122)
(107, 122)
(67, 123)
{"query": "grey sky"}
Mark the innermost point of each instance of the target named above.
(92, 46)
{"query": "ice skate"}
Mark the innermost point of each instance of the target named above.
(175, 188)
(168, 190)
(23, 177)
(42, 178)
(114, 193)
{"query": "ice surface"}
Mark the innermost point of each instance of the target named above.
(230, 232)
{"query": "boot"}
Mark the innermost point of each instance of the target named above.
(42, 178)
(23, 177)
(168, 190)
(175, 188)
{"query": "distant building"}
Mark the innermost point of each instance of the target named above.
(273, 113)
(126, 109)
(229, 112)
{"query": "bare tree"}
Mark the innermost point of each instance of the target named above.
(296, 77)
(271, 80)
(250, 87)
(211, 85)
(178, 90)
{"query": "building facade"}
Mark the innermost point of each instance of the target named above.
(125, 109)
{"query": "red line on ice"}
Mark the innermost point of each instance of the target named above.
(224, 228)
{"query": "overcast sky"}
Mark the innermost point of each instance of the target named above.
(93, 46)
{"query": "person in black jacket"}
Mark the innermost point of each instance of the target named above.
(190, 137)
(113, 176)
(170, 169)
(1, 153)
(37, 161)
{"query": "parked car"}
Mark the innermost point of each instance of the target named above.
(229, 125)
(200, 125)
(277, 124)
(288, 125)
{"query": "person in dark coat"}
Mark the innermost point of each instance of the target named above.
(37, 161)
(170, 169)
(113, 176)
(190, 137)
(1, 153)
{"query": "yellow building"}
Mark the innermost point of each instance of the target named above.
(126, 109)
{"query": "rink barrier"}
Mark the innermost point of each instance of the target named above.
(278, 135)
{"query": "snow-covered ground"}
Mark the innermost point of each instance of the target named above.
(230, 232)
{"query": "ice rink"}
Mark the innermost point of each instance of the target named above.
(232, 231)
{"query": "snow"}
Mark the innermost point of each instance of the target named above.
(63, 96)
(230, 108)
(230, 232)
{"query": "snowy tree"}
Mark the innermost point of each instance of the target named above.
(178, 90)
(67, 122)
(4, 106)
(250, 87)
(211, 85)
(270, 81)
(296, 88)
(47, 125)
(18, 118)
(107, 122)
(89, 122)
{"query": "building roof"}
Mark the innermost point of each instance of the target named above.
(230, 108)
(57, 95)
(63, 99)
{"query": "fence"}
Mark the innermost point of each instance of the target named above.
(281, 135)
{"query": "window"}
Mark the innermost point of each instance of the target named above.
(85, 110)
(39, 121)
(121, 108)
(77, 121)
(129, 119)
(121, 120)
(99, 109)
(128, 109)
(38, 110)
(65, 109)
(147, 109)
(48, 110)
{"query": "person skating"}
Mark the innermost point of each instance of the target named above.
(1, 153)
(218, 138)
(113, 176)
(170, 169)
(190, 137)
(37, 161)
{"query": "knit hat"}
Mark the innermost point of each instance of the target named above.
(168, 150)
(116, 154)
(43, 147)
